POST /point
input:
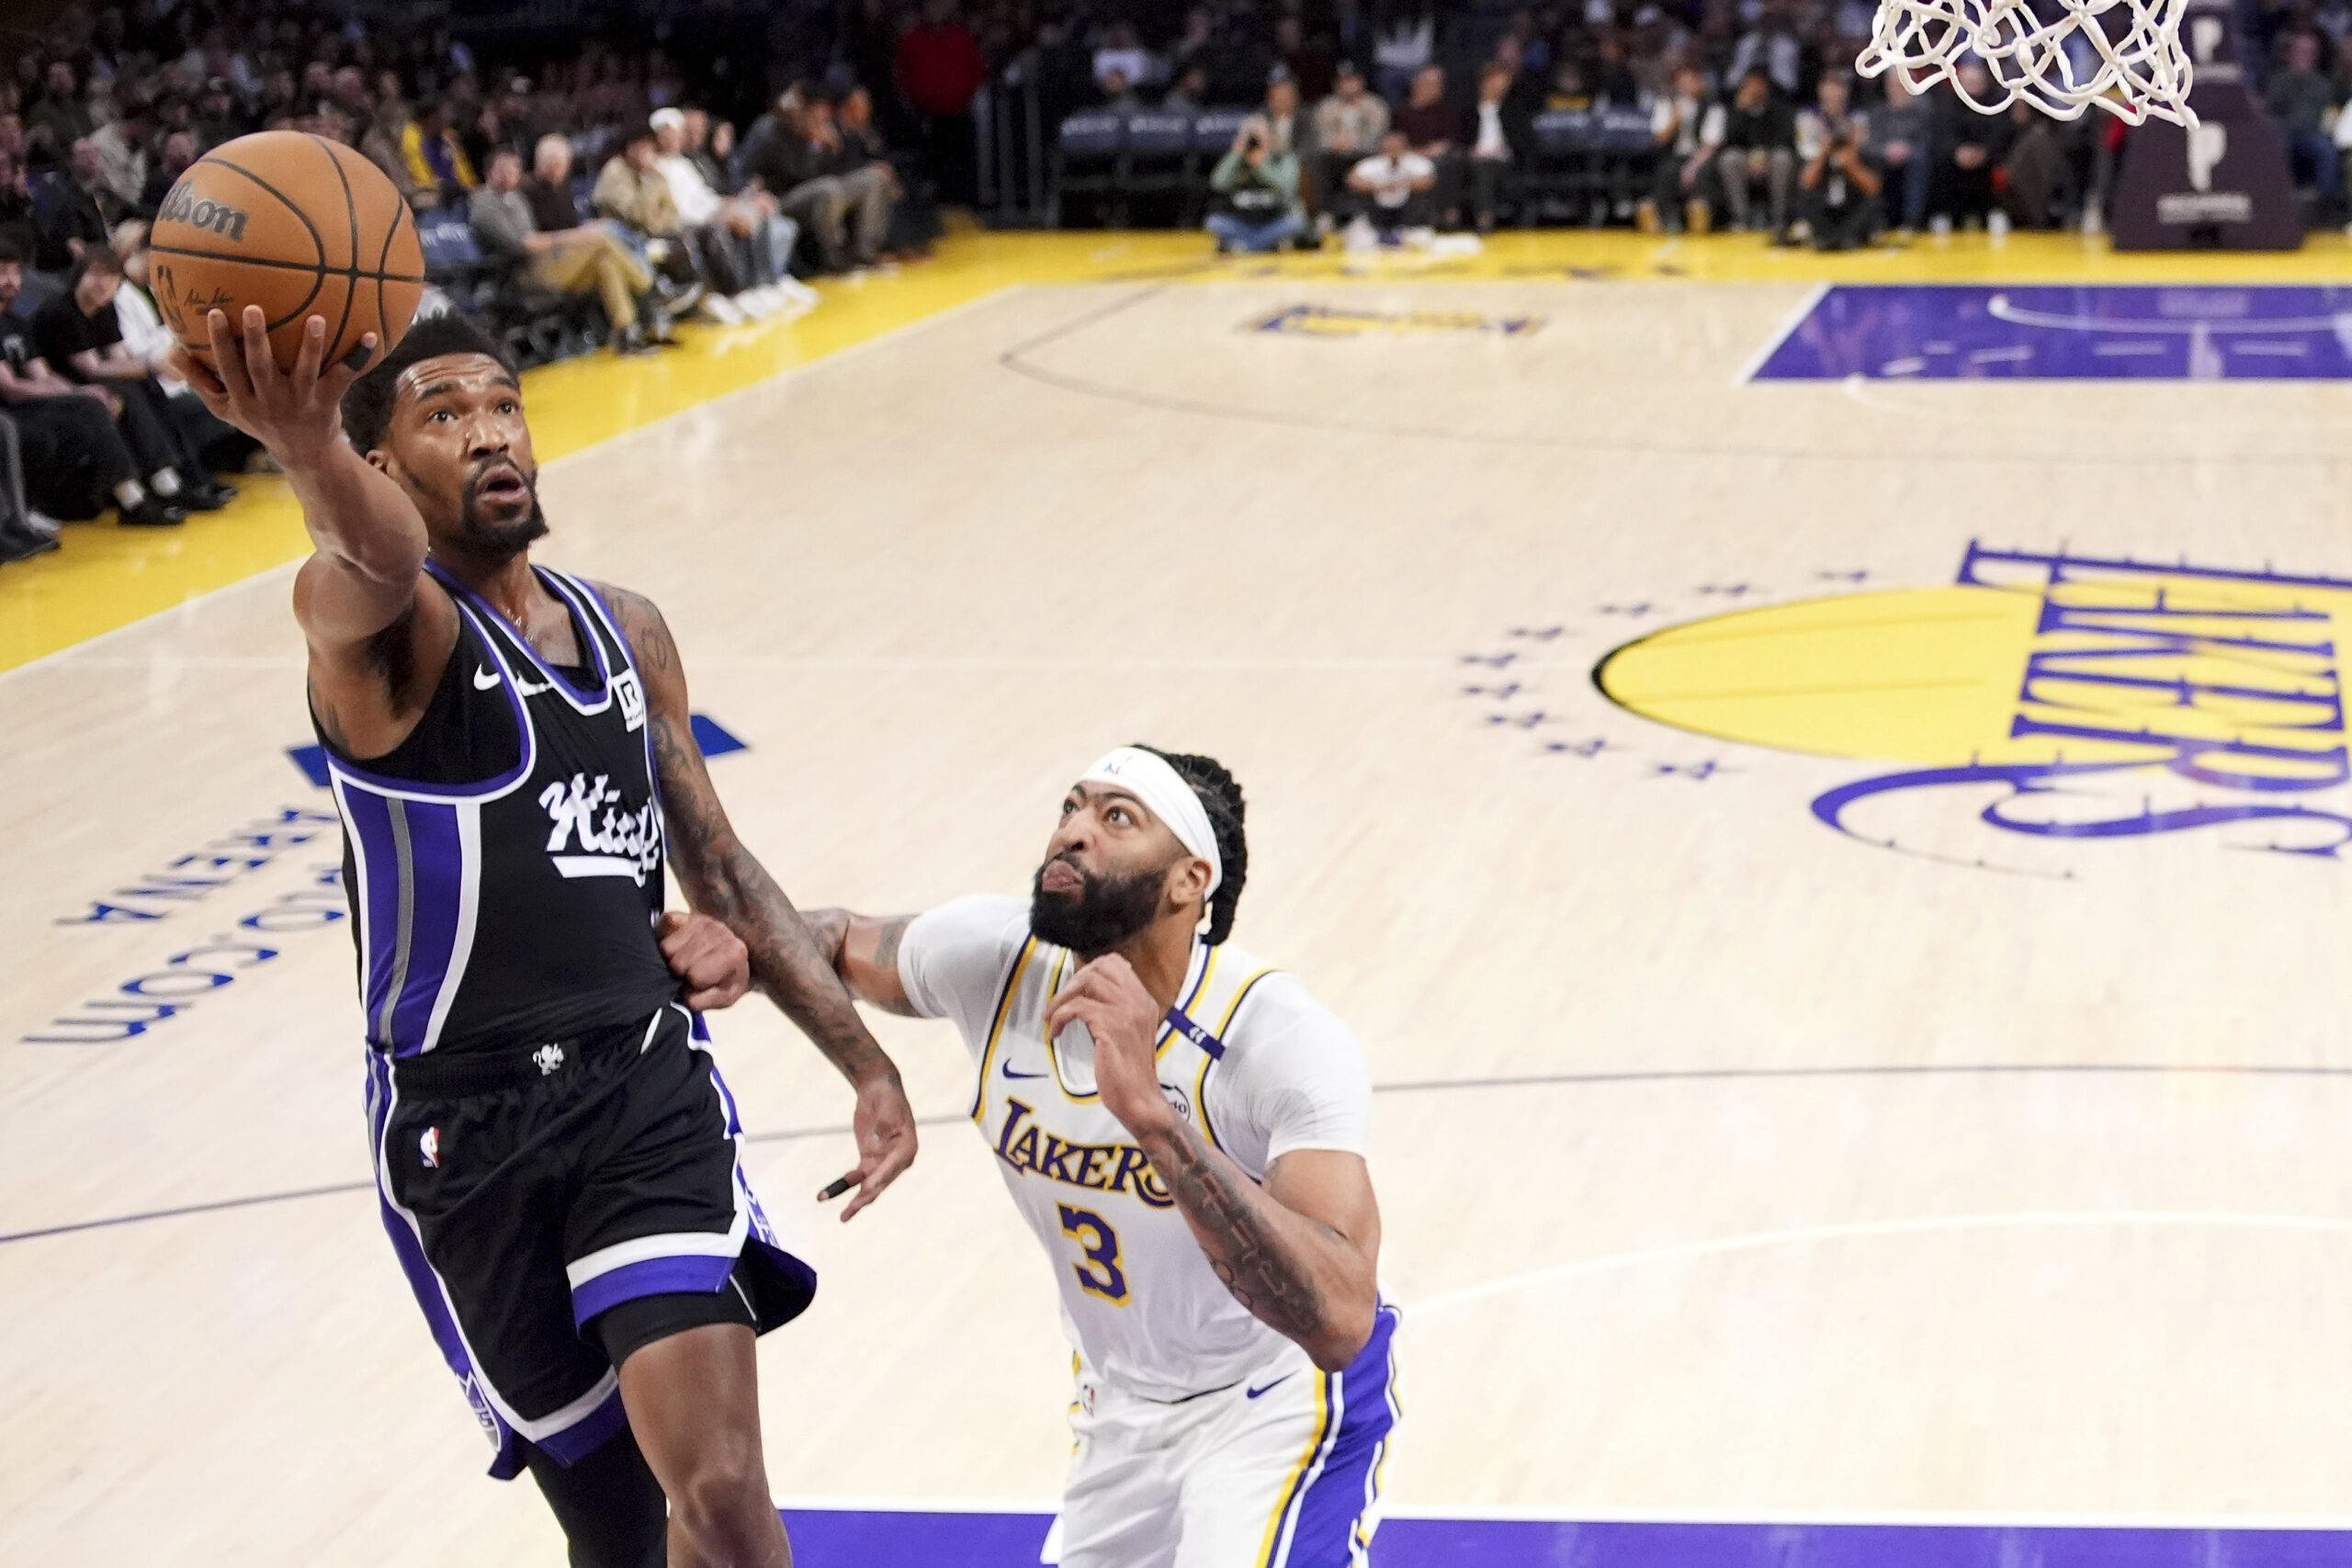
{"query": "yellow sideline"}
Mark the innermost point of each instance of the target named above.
(107, 577)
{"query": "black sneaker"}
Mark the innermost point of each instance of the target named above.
(206, 497)
(153, 511)
(19, 542)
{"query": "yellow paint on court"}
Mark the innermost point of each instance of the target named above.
(107, 577)
(2133, 664)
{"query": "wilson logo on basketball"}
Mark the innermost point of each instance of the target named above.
(183, 206)
(2054, 697)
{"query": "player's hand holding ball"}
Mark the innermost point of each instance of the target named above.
(1109, 1000)
(297, 414)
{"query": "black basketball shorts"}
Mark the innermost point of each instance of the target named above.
(527, 1190)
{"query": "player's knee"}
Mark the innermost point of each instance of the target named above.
(725, 1497)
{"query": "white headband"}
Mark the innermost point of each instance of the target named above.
(1164, 793)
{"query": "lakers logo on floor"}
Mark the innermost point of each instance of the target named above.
(2054, 698)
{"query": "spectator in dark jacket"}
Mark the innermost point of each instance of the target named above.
(73, 209)
(1969, 147)
(1758, 145)
(940, 67)
(2300, 94)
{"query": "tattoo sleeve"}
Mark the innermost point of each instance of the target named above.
(790, 964)
(1267, 1272)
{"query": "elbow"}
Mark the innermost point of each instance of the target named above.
(1345, 1331)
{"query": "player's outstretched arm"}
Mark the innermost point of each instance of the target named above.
(863, 950)
(723, 878)
(1302, 1252)
(358, 596)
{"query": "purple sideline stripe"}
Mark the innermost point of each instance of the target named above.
(826, 1538)
(2172, 332)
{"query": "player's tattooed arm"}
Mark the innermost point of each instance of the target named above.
(1299, 1252)
(863, 950)
(723, 878)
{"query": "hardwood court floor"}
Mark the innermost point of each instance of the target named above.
(1733, 1165)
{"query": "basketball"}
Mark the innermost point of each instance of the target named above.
(294, 223)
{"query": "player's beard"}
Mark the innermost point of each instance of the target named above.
(1104, 913)
(498, 541)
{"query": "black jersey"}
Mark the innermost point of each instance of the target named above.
(505, 862)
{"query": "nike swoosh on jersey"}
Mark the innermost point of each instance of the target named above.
(484, 680)
(1007, 1068)
(1276, 1383)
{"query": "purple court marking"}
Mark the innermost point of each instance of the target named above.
(826, 1538)
(2195, 333)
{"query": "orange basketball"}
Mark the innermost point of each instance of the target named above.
(298, 225)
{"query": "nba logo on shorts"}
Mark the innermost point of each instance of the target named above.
(429, 1147)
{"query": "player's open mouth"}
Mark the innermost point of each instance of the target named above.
(502, 485)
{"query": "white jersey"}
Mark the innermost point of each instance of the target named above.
(1277, 1072)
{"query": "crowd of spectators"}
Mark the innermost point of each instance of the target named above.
(594, 184)
(1397, 114)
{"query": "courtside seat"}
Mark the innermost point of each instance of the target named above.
(1158, 155)
(1088, 158)
(1559, 169)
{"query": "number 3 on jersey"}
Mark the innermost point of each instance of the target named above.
(1100, 1275)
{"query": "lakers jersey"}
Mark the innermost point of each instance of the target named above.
(1266, 1070)
(505, 862)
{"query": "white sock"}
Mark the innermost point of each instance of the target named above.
(129, 492)
(166, 482)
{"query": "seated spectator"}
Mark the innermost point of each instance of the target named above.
(1400, 180)
(1256, 186)
(1773, 47)
(1686, 128)
(1310, 62)
(73, 209)
(1840, 190)
(2037, 172)
(1433, 130)
(1348, 128)
(1492, 146)
(799, 163)
(219, 447)
(436, 160)
(1969, 149)
(76, 460)
(914, 223)
(384, 142)
(554, 205)
(59, 117)
(2300, 94)
(81, 337)
(1758, 144)
(1121, 56)
(1285, 131)
(17, 218)
(1190, 94)
(122, 154)
(868, 184)
(1902, 137)
(729, 233)
(24, 533)
(179, 150)
(1118, 90)
(218, 117)
(1568, 88)
(585, 259)
(1611, 75)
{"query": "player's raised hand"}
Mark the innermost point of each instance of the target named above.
(1111, 999)
(297, 414)
(711, 959)
(885, 1124)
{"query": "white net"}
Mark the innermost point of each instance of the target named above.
(2061, 56)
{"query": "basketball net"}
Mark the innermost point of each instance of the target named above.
(2061, 56)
